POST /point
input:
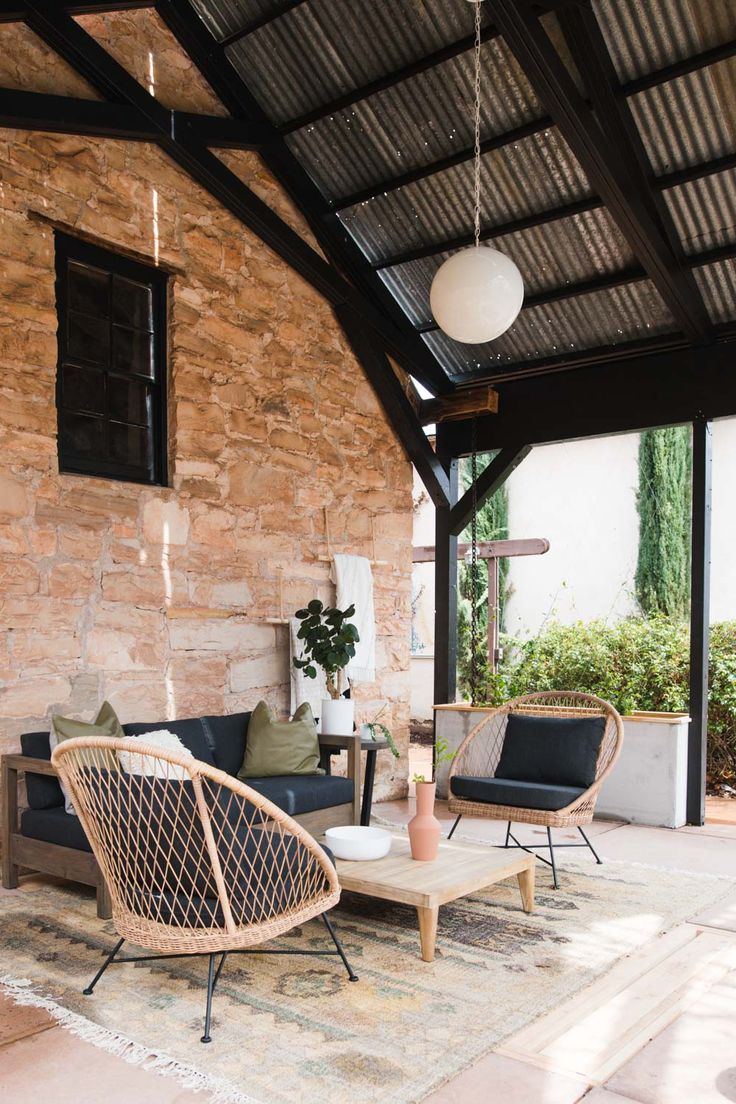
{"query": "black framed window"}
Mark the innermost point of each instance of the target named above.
(111, 379)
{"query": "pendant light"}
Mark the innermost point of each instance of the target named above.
(477, 293)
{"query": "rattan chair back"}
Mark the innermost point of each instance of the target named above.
(194, 859)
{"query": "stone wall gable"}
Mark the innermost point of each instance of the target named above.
(26, 62)
(272, 422)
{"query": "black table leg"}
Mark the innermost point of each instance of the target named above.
(370, 772)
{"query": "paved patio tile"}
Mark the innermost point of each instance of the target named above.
(57, 1067)
(603, 1096)
(722, 915)
(17, 1022)
(499, 1078)
(693, 1060)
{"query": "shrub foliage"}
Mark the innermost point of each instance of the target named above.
(635, 664)
(663, 502)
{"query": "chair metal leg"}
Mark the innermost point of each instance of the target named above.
(338, 944)
(552, 858)
(90, 988)
(459, 816)
(207, 1038)
(508, 833)
(596, 856)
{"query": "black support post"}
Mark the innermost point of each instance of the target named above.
(699, 618)
(445, 589)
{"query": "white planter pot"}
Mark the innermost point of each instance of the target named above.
(337, 717)
(648, 784)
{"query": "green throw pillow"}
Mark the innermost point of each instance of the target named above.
(105, 723)
(280, 747)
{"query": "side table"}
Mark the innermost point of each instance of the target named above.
(371, 748)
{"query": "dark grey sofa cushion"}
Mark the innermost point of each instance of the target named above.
(555, 751)
(304, 793)
(43, 791)
(227, 740)
(54, 826)
(520, 795)
(190, 731)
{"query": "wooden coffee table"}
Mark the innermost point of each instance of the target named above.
(459, 869)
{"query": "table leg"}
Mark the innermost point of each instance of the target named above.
(370, 773)
(427, 931)
(526, 887)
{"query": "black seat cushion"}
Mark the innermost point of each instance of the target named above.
(54, 826)
(555, 751)
(43, 791)
(520, 795)
(304, 793)
(190, 731)
(227, 740)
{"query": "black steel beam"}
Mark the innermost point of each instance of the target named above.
(102, 119)
(487, 483)
(262, 21)
(617, 396)
(679, 68)
(396, 405)
(13, 12)
(699, 617)
(586, 41)
(497, 141)
(694, 172)
(445, 589)
(513, 226)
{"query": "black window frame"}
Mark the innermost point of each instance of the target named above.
(74, 250)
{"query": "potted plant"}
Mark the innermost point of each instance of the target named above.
(373, 730)
(328, 642)
(424, 827)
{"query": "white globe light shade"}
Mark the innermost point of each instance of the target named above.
(476, 295)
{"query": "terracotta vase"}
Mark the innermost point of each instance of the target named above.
(424, 828)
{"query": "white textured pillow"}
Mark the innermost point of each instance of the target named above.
(133, 763)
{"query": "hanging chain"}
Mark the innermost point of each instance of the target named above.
(476, 213)
(474, 672)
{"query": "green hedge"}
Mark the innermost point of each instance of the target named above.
(635, 664)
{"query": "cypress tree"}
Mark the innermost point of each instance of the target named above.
(663, 503)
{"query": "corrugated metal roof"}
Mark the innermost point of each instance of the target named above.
(327, 47)
(548, 256)
(613, 317)
(718, 285)
(704, 211)
(688, 120)
(642, 37)
(532, 175)
(324, 48)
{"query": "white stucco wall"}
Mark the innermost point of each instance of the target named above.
(723, 575)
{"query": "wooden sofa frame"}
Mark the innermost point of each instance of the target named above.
(81, 866)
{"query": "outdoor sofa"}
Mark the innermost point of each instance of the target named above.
(43, 837)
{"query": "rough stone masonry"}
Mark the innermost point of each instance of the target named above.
(271, 422)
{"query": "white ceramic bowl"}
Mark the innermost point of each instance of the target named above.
(358, 843)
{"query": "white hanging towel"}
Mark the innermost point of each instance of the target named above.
(305, 689)
(354, 582)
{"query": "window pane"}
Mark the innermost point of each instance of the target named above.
(89, 290)
(132, 351)
(82, 435)
(132, 303)
(83, 389)
(130, 445)
(130, 401)
(88, 338)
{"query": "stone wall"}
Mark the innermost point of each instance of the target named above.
(272, 423)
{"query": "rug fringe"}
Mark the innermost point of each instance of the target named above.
(22, 992)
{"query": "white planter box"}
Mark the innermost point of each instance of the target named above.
(648, 785)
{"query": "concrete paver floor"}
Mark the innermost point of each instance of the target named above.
(689, 1059)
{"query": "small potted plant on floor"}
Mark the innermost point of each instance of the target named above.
(328, 642)
(424, 827)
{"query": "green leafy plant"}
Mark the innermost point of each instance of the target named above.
(441, 754)
(328, 641)
(375, 727)
(663, 503)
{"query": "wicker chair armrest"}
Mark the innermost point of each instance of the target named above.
(17, 762)
(474, 732)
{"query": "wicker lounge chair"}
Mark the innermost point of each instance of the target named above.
(196, 862)
(475, 790)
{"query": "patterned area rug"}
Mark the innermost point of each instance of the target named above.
(295, 1030)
